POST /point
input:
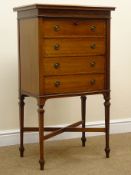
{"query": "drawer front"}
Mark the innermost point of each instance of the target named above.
(77, 83)
(73, 27)
(73, 65)
(73, 47)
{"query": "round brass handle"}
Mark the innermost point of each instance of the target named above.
(56, 65)
(92, 64)
(57, 83)
(93, 82)
(93, 46)
(56, 46)
(56, 28)
(93, 28)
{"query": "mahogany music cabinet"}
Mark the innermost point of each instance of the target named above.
(63, 51)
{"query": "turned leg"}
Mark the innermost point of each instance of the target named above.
(83, 113)
(41, 132)
(107, 122)
(21, 118)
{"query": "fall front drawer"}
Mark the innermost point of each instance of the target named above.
(77, 83)
(73, 47)
(78, 27)
(73, 65)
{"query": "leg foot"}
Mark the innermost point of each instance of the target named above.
(107, 151)
(41, 162)
(83, 139)
(21, 149)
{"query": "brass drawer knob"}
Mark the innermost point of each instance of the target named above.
(57, 83)
(92, 64)
(56, 46)
(93, 28)
(56, 65)
(56, 28)
(93, 46)
(93, 82)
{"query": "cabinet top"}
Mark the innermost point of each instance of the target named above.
(64, 7)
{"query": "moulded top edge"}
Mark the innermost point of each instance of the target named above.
(58, 6)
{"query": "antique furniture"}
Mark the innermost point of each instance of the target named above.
(63, 51)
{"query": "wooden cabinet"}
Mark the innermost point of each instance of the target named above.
(63, 51)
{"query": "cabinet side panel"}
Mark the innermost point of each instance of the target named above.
(29, 54)
(107, 82)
